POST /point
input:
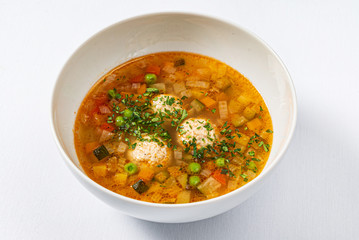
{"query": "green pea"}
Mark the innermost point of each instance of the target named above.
(221, 162)
(111, 93)
(194, 167)
(120, 121)
(150, 78)
(194, 180)
(131, 168)
(127, 113)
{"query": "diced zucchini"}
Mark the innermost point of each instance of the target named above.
(186, 93)
(179, 87)
(162, 176)
(238, 120)
(122, 147)
(140, 186)
(209, 186)
(249, 113)
(184, 197)
(182, 179)
(179, 62)
(252, 166)
(197, 105)
(187, 157)
(160, 86)
(223, 83)
(100, 170)
(152, 90)
(101, 152)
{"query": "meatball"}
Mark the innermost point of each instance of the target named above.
(167, 102)
(150, 152)
(199, 128)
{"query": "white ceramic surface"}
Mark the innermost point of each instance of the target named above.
(174, 32)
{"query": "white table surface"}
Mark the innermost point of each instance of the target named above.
(313, 194)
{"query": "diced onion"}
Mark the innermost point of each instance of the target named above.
(169, 67)
(106, 135)
(111, 77)
(136, 85)
(104, 109)
(186, 93)
(223, 109)
(179, 87)
(109, 146)
(177, 155)
(113, 101)
(206, 173)
(122, 147)
(197, 84)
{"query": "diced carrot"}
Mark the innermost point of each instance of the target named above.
(107, 127)
(146, 174)
(153, 69)
(142, 89)
(209, 102)
(222, 178)
(222, 97)
(89, 147)
(138, 79)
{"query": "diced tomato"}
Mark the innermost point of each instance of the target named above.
(89, 147)
(138, 79)
(107, 127)
(153, 69)
(222, 178)
(101, 99)
(94, 111)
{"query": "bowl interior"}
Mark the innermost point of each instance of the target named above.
(174, 32)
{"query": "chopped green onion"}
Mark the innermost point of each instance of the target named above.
(131, 168)
(112, 93)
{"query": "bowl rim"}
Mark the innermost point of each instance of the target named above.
(88, 180)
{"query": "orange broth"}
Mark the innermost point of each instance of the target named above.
(173, 127)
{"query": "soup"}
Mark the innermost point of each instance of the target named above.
(173, 127)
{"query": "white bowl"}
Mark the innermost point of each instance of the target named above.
(146, 34)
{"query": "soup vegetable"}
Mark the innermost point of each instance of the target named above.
(173, 127)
